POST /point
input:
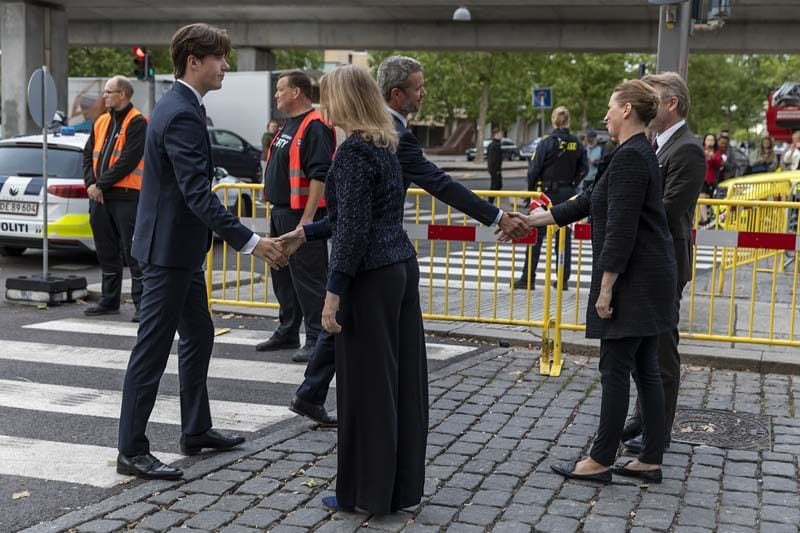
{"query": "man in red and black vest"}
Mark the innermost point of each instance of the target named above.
(112, 168)
(294, 182)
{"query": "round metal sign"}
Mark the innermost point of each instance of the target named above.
(42, 97)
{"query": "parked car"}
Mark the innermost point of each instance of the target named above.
(221, 176)
(526, 151)
(510, 150)
(22, 197)
(237, 156)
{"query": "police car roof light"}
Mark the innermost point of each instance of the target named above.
(67, 130)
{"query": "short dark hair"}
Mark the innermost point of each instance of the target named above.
(198, 40)
(298, 79)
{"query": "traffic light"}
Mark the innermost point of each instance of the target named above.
(143, 66)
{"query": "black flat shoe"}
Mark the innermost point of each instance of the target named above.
(651, 476)
(277, 342)
(567, 470)
(333, 504)
(317, 413)
(194, 444)
(146, 467)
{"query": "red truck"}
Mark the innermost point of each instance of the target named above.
(783, 112)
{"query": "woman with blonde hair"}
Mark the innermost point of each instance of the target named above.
(372, 304)
(634, 279)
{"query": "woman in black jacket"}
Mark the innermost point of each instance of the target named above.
(382, 389)
(633, 284)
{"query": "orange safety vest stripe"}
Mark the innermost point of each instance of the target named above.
(299, 184)
(132, 180)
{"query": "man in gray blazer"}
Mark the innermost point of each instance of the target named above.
(683, 165)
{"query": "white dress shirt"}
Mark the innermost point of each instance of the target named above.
(663, 138)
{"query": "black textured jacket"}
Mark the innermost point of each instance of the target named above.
(630, 236)
(364, 194)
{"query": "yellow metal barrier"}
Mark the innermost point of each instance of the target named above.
(748, 252)
(470, 278)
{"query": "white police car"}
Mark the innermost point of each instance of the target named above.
(22, 195)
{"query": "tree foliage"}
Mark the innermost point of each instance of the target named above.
(106, 62)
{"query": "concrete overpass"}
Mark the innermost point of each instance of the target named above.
(33, 33)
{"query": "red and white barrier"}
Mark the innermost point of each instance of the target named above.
(723, 238)
(443, 232)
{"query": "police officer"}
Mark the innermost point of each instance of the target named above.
(112, 167)
(556, 168)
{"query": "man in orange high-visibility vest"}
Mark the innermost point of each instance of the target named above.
(294, 182)
(112, 171)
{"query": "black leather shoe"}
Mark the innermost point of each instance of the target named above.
(317, 413)
(135, 317)
(146, 467)
(522, 284)
(303, 355)
(564, 287)
(632, 429)
(99, 310)
(634, 445)
(194, 444)
(567, 470)
(277, 342)
(651, 476)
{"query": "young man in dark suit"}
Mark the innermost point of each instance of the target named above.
(402, 83)
(176, 215)
(683, 166)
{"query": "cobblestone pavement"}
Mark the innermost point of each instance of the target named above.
(496, 427)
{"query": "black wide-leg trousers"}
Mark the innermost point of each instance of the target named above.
(382, 391)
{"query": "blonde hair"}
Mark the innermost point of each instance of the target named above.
(560, 117)
(642, 97)
(351, 99)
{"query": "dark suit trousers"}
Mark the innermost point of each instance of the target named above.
(563, 194)
(496, 182)
(618, 358)
(320, 370)
(300, 289)
(173, 299)
(669, 361)
(112, 225)
(382, 391)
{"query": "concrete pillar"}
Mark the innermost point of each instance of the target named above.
(674, 28)
(252, 59)
(30, 36)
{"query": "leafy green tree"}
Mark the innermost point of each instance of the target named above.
(105, 62)
(294, 58)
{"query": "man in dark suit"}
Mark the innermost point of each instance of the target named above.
(402, 83)
(176, 214)
(683, 166)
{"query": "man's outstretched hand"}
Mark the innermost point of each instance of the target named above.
(512, 226)
(272, 252)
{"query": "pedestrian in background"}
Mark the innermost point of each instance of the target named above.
(112, 172)
(594, 154)
(631, 297)
(297, 163)
(494, 160)
(266, 138)
(764, 158)
(373, 292)
(791, 157)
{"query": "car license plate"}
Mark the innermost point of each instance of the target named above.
(19, 208)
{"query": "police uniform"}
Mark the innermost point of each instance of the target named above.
(556, 168)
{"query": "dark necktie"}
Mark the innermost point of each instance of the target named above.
(203, 113)
(655, 143)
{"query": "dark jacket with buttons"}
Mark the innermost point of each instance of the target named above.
(630, 236)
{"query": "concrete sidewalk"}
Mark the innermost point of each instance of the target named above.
(496, 427)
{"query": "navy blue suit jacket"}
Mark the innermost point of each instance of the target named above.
(177, 209)
(418, 170)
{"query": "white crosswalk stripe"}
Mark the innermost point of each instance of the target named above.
(85, 463)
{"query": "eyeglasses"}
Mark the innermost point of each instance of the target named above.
(111, 92)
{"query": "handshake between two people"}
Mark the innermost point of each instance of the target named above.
(516, 225)
(277, 251)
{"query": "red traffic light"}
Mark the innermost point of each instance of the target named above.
(139, 52)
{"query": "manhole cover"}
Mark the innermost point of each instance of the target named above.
(722, 429)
